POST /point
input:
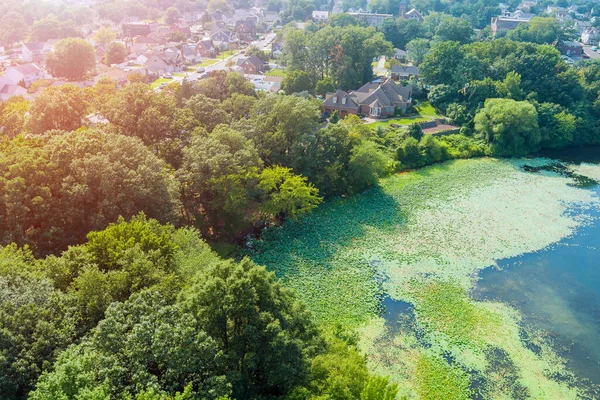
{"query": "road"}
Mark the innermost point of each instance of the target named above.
(263, 44)
(593, 54)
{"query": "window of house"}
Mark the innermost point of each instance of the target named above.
(344, 100)
(334, 100)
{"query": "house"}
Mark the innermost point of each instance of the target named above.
(590, 36)
(510, 21)
(162, 63)
(251, 65)
(276, 49)
(115, 74)
(271, 17)
(191, 55)
(24, 75)
(404, 72)
(245, 30)
(377, 100)
(32, 52)
(320, 16)
(400, 54)
(182, 28)
(371, 19)
(571, 49)
(142, 44)
(132, 29)
(221, 35)
(49, 45)
(412, 14)
(8, 90)
(205, 48)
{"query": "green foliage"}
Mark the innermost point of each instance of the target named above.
(334, 118)
(172, 15)
(287, 194)
(58, 107)
(58, 191)
(13, 116)
(539, 30)
(509, 126)
(115, 53)
(366, 165)
(263, 332)
(60, 61)
(343, 54)
(438, 380)
(324, 86)
(298, 81)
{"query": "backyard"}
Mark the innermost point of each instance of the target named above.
(425, 112)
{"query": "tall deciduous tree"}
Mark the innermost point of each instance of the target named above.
(58, 107)
(509, 126)
(71, 59)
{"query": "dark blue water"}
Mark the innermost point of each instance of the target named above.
(557, 290)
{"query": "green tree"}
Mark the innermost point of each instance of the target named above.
(76, 182)
(454, 29)
(324, 86)
(539, 30)
(263, 332)
(286, 194)
(367, 164)
(115, 53)
(216, 173)
(58, 107)
(335, 118)
(172, 15)
(60, 61)
(255, 51)
(37, 323)
(13, 116)
(415, 130)
(145, 345)
(13, 28)
(417, 50)
(105, 35)
(298, 81)
(509, 126)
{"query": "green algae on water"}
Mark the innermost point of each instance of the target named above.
(422, 237)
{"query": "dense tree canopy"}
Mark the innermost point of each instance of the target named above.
(511, 127)
(58, 190)
(60, 62)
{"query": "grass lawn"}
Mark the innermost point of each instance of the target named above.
(399, 121)
(207, 62)
(276, 72)
(426, 112)
(159, 81)
(226, 54)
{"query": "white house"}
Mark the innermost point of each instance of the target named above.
(8, 89)
(24, 74)
(590, 36)
(320, 16)
(32, 51)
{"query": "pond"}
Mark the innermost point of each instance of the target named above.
(469, 279)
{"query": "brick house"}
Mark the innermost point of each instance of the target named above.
(251, 65)
(377, 100)
(245, 30)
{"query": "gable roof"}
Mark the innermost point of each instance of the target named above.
(35, 46)
(27, 69)
(388, 93)
(405, 70)
(257, 62)
(336, 99)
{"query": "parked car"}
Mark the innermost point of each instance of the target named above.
(595, 48)
(243, 52)
(168, 76)
(200, 70)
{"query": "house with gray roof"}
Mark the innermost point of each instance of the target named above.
(403, 72)
(375, 99)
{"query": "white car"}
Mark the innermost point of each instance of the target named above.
(200, 70)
